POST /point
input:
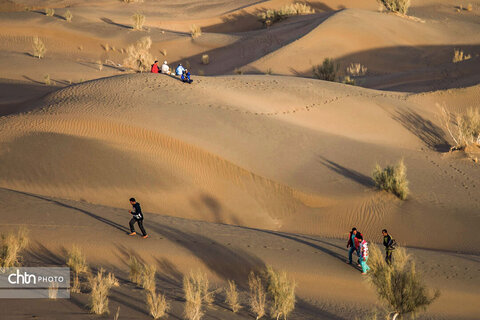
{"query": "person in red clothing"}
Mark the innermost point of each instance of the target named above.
(155, 68)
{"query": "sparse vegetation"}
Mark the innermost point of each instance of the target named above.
(327, 70)
(49, 12)
(138, 55)
(100, 286)
(392, 179)
(257, 295)
(99, 65)
(398, 284)
(197, 292)
(348, 80)
(148, 277)
(396, 6)
(157, 304)
(135, 273)
(12, 244)
(464, 129)
(68, 16)
(106, 47)
(282, 291)
(356, 69)
(205, 59)
(232, 296)
(195, 31)
(163, 52)
(39, 48)
(132, 1)
(238, 71)
(78, 263)
(138, 21)
(47, 80)
(53, 291)
(459, 56)
(469, 7)
(271, 16)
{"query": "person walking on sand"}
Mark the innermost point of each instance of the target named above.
(363, 253)
(389, 244)
(165, 67)
(351, 244)
(155, 68)
(137, 217)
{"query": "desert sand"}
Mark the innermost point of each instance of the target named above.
(255, 163)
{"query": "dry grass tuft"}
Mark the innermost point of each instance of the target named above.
(282, 291)
(469, 7)
(399, 285)
(100, 285)
(99, 65)
(396, 6)
(12, 245)
(39, 48)
(232, 296)
(205, 59)
(464, 128)
(326, 71)
(392, 179)
(138, 55)
(117, 314)
(257, 295)
(148, 277)
(49, 12)
(459, 56)
(348, 80)
(78, 263)
(53, 291)
(47, 80)
(135, 270)
(195, 31)
(163, 52)
(157, 304)
(68, 16)
(196, 289)
(356, 69)
(138, 21)
(271, 16)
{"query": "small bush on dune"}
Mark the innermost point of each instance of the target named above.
(396, 6)
(138, 55)
(157, 304)
(47, 80)
(459, 56)
(282, 291)
(392, 179)
(356, 69)
(348, 80)
(53, 291)
(195, 31)
(271, 16)
(100, 286)
(49, 12)
(135, 270)
(464, 128)
(12, 245)
(326, 71)
(78, 263)
(257, 295)
(148, 277)
(138, 21)
(205, 59)
(193, 289)
(39, 48)
(232, 296)
(399, 285)
(68, 16)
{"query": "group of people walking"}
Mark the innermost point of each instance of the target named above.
(184, 74)
(356, 243)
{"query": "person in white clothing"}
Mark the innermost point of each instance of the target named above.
(165, 68)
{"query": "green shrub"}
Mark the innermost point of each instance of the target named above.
(392, 179)
(327, 70)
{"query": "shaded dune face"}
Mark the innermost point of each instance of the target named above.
(300, 161)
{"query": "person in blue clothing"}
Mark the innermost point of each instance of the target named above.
(351, 245)
(179, 70)
(186, 76)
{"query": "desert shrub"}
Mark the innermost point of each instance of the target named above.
(39, 48)
(53, 291)
(47, 80)
(12, 244)
(195, 31)
(271, 16)
(459, 56)
(68, 16)
(100, 286)
(193, 296)
(392, 179)
(157, 304)
(326, 71)
(148, 277)
(464, 128)
(49, 12)
(238, 71)
(135, 270)
(257, 295)
(205, 59)
(356, 69)
(396, 6)
(78, 263)
(232, 296)
(398, 285)
(282, 291)
(138, 55)
(138, 21)
(348, 80)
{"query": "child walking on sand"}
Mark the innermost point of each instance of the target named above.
(363, 253)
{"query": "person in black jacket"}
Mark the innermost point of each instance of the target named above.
(388, 243)
(137, 217)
